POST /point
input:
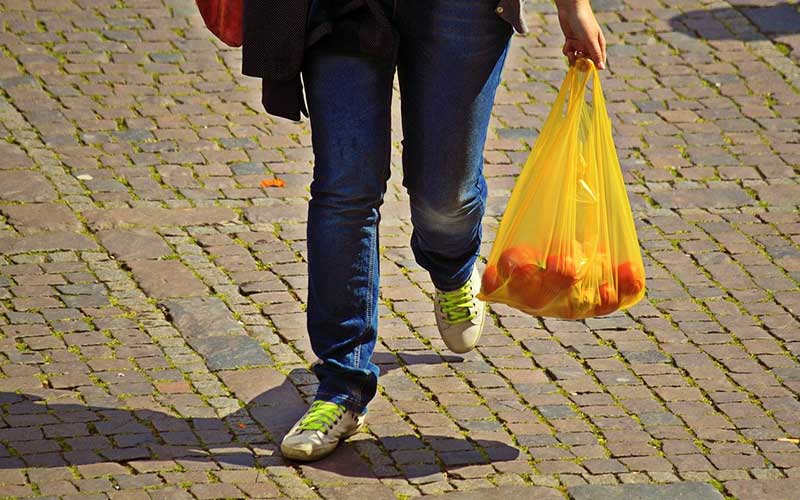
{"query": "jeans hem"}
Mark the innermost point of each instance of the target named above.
(350, 402)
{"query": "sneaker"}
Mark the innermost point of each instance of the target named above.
(318, 432)
(460, 315)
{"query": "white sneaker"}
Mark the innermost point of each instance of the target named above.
(318, 432)
(460, 315)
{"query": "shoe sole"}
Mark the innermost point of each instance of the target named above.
(300, 456)
(320, 453)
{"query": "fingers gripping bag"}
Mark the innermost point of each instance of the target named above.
(567, 246)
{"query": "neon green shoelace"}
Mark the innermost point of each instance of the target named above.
(458, 305)
(321, 416)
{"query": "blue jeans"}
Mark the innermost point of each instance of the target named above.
(449, 63)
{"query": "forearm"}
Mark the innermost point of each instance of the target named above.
(571, 4)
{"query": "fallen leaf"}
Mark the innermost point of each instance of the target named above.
(242, 426)
(790, 440)
(273, 183)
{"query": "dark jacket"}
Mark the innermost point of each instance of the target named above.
(276, 35)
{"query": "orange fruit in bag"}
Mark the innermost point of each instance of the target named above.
(609, 300)
(515, 258)
(521, 267)
(630, 279)
(560, 272)
(490, 281)
(525, 286)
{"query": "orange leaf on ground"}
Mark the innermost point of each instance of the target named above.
(273, 183)
(242, 426)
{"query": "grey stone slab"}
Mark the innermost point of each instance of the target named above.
(346, 467)
(726, 197)
(790, 373)
(248, 168)
(166, 278)
(11, 155)
(157, 217)
(371, 491)
(83, 289)
(200, 317)
(659, 418)
(39, 217)
(645, 357)
(783, 195)
(556, 411)
(516, 491)
(230, 352)
(134, 244)
(276, 211)
(773, 489)
(47, 242)
(675, 491)
(782, 18)
(106, 186)
(24, 185)
(261, 387)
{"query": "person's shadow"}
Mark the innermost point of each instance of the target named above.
(771, 22)
(49, 433)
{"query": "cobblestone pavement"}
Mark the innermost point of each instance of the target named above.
(152, 293)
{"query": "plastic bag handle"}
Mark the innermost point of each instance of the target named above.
(578, 79)
(574, 86)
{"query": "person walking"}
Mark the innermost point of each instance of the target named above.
(448, 55)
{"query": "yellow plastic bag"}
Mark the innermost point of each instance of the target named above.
(567, 246)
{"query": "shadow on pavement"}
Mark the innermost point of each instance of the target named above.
(47, 433)
(770, 22)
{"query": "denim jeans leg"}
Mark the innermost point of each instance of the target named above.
(349, 101)
(451, 57)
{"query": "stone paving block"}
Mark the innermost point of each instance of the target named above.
(260, 490)
(25, 185)
(538, 492)
(46, 242)
(12, 156)
(169, 493)
(41, 217)
(703, 198)
(276, 211)
(347, 467)
(779, 18)
(162, 279)
(276, 404)
(371, 491)
(772, 489)
(781, 195)
(197, 317)
(217, 490)
(252, 386)
(158, 217)
(134, 244)
(230, 352)
(677, 491)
